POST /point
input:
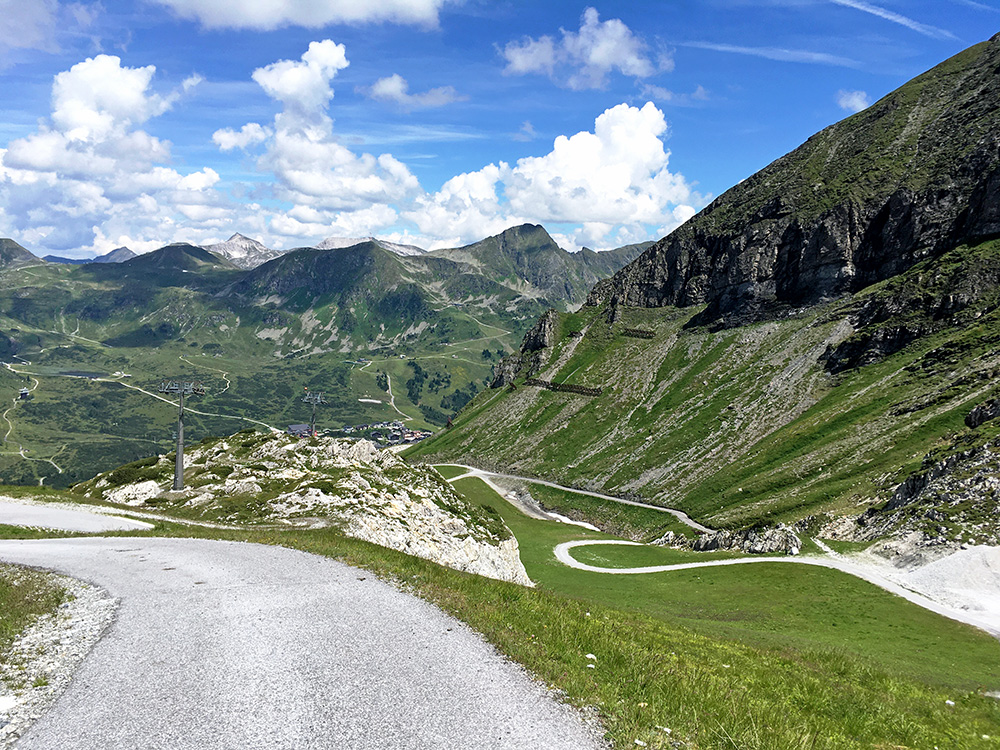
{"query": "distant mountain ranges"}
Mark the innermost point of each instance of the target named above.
(382, 330)
(372, 293)
(118, 255)
(245, 252)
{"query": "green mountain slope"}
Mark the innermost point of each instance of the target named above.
(13, 255)
(744, 425)
(758, 365)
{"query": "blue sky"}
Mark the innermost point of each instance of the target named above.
(432, 122)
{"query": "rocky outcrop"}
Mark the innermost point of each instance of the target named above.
(543, 334)
(506, 370)
(948, 503)
(870, 346)
(956, 289)
(910, 177)
(983, 413)
(755, 541)
(253, 479)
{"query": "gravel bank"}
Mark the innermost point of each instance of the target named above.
(45, 657)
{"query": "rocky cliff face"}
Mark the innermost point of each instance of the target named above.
(539, 337)
(948, 504)
(910, 177)
(367, 493)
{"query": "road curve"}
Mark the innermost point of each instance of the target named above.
(836, 562)
(678, 514)
(39, 515)
(231, 645)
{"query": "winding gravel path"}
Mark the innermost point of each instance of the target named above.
(678, 514)
(884, 579)
(232, 645)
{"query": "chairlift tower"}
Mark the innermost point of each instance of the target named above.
(182, 388)
(315, 398)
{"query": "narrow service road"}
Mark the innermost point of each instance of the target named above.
(230, 645)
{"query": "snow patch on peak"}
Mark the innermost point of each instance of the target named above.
(335, 243)
(244, 251)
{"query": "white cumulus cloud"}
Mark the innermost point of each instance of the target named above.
(249, 135)
(304, 84)
(584, 59)
(272, 14)
(98, 97)
(614, 182)
(466, 208)
(395, 89)
(90, 165)
(616, 174)
(324, 183)
(853, 101)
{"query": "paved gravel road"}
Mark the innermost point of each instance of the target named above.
(678, 514)
(229, 645)
(20, 513)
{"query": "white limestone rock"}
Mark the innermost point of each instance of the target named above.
(133, 494)
(369, 494)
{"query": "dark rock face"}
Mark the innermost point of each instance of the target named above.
(870, 346)
(915, 484)
(983, 413)
(909, 178)
(542, 335)
(506, 371)
(959, 286)
(9, 346)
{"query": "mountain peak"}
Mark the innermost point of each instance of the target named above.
(12, 254)
(118, 255)
(244, 251)
(180, 256)
(335, 243)
(910, 177)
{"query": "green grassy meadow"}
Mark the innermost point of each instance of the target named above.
(24, 596)
(74, 427)
(771, 605)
